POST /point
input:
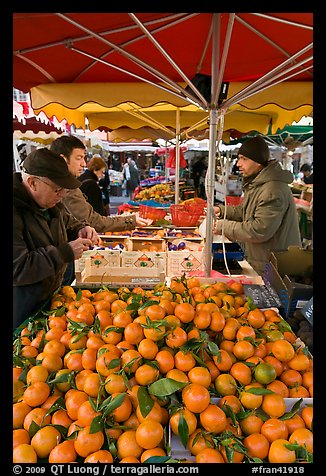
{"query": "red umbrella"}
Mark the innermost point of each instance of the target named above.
(203, 50)
(159, 47)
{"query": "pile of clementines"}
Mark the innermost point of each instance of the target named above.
(116, 375)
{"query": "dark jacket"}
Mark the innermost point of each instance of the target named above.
(92, 190)
(267, 219)
(40, 250)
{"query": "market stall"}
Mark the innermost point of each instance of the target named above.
(151, 357)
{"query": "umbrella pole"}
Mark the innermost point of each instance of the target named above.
(210, 187)
(210, 174)
(177, 158)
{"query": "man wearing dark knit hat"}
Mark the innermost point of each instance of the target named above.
(266, 220)
(46, 237)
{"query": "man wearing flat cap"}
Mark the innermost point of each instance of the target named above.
(266, 220)
(46, 236)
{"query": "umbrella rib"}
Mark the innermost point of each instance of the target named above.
(36, 66)
(282, 20)
(224, 56)
(259, 33)
(131, 57)
(108, 32)
(128, 72)
(168, 58)
(266, 84)
(146, 118)
(133, 40)
(263, 79)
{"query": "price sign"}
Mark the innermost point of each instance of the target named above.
(263, 296)
(308, 311)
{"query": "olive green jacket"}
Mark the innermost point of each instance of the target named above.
(267, 219)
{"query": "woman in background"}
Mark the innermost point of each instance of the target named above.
(90, 187)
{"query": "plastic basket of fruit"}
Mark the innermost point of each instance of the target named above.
(233, 200)
(182, 216)
(153, 213)
(195, 205)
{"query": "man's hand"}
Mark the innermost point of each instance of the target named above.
(79, 246)
(142, 221)
(89, 233)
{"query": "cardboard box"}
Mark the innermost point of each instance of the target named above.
(110, 258)
(148, 244)
(283, 264)
(144, 260)
(146, 277)
(179, 262)
(112, 241)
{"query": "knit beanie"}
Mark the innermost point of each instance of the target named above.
(255, 149)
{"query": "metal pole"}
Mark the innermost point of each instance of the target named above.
(210, 176)
(177, 158)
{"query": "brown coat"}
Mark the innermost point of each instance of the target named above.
(267, 219)
(78, 206)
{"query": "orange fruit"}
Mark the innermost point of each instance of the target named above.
(87, 443)
(63, 453)
(124, 410)
(278, 453)
(231, 401)
(20, 436)
(307, 416)
(241, 372)
(100, 456)
(213, 419)
(24, 453)
(44, 440)
(133, 333)
(178, 375)
(165, 361)
(283, 350)
(149, 434)
(115, 383)
(299, 362)
(154, 414)
(209, 455)
(257, 445)
(176, 338)
(185, 312)
(294, 423)
(188, 416)
(274, 429)
(127, 445)
(184, 360)
(256, 318)
(148, 349)
(20, 410)
(38, 416)
(151, 452)
(225, 384)
(251, 424)
(36, 394)
(265, 373)
(223, 360)
(277, 386)
(195, 397)
(198, 441)
(250, 400)
(200, 375)
(274, 405)
(302, 437)
(146, 374)
(86, 413)
(243, 349)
